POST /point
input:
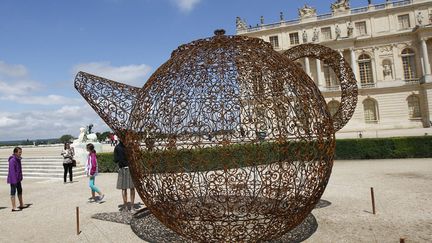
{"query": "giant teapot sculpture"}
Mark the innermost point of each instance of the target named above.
(228, 140)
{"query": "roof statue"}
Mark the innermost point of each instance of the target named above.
(241, 24)
(306, 12)
(340, 6)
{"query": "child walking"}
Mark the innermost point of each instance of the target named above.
(15, 177)
(91, 170)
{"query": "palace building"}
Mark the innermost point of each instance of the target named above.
(389, 48)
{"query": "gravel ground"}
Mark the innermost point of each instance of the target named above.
(403, 189)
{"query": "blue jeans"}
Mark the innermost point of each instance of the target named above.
(92, 184)
(14, 188)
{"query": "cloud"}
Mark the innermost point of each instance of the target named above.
(8, 121)
(186, 5)
(132, 74)
(41, 100)
(12, 70)
(37, 124)
(14, 80)
(18, 87)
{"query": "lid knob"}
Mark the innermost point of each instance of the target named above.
(219, 32)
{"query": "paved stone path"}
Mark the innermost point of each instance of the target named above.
(403, 190)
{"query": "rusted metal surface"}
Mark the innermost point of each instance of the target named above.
(112, 101)
(342, 71)
(228, 140)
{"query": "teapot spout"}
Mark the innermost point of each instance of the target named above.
(112, 101)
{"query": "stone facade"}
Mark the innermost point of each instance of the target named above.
(389, 47)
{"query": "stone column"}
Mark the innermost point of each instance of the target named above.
(307, 66)
(354, 63)
(397, 70)
(318, 70)
(426, 64)
(374, 70)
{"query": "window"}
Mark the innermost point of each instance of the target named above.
(361, 28)
(404, 22)
(326, 32)
(370, 110)
(330, 78)
(333, 106)
(408, 62)
(274, 41)
(294, 38)
(414, 106)
(365, 69)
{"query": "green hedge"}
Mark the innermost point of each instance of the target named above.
(384, 148)
(106, 162)
(364, 148)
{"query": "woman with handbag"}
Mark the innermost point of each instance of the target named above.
(68, 154)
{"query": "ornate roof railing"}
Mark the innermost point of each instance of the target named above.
(359, 10)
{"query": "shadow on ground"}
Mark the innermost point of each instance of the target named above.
(322, 204)
(148, 228)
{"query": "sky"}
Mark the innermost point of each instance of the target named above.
(44, 43)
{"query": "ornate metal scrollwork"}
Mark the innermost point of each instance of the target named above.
(228, 140)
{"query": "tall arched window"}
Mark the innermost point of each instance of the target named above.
(333, 106)
(365, 69)
(408, 62)
(330, 78)
(370, 110)
(414, 106)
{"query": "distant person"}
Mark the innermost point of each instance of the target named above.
(91, 170)
(68, 154)
(15, 177)
(115, 139)
(124, 179)
(111, 136)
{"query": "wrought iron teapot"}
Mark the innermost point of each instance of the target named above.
(228, 140)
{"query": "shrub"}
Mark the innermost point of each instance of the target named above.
(384, 148)
(106, 162)
(239, 155)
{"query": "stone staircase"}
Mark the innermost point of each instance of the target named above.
(41, 167)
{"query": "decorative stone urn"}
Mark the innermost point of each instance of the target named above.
(228, 140)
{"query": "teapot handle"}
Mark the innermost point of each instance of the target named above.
(343, 72)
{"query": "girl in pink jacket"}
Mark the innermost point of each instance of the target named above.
(91, 170)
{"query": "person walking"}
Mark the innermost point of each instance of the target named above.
(68, 154)
(111, 136)
(15, 177)
(91, 170)
(115, 140)
(124, 179)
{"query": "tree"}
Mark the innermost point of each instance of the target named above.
(103, 136)
(66, 138)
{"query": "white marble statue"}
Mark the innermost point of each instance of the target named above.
(387, 71)
(306, 11)
(340, 5)
(419, 18)
(305, 37)
(350, 29)
(241, 24)
(338, 32)
(315, 35)
(79, 145)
